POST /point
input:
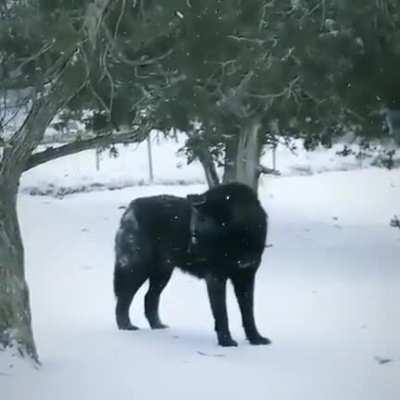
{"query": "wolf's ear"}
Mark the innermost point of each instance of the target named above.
(196, 200)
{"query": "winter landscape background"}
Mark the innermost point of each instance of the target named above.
(327, 294)
(236, 77)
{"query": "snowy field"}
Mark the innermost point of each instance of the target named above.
(78, 173)
(327, 294)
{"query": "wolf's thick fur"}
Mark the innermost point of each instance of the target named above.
(216, 236)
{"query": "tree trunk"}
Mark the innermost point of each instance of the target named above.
(202, 153)
(15, 316)
(242, 157)
(230, 168)
(209, 167)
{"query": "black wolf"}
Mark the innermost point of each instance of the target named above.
(216, 236)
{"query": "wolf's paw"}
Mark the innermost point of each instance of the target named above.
(226, 341)
(259, 340)
(128, 327)
(159, 325)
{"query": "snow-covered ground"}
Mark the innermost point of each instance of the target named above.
(327, 294)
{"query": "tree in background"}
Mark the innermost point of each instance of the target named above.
(41, 72)
(54, 58)
(248, 72)
(236, 75)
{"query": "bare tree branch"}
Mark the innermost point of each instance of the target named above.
(262, 169)
(43, 110)
(121, 14)
(46, 47)
(140, 62)
(257, 41)
(287, 91)
(94, 18)
(52, 153)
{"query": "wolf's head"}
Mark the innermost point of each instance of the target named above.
(228, 219)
